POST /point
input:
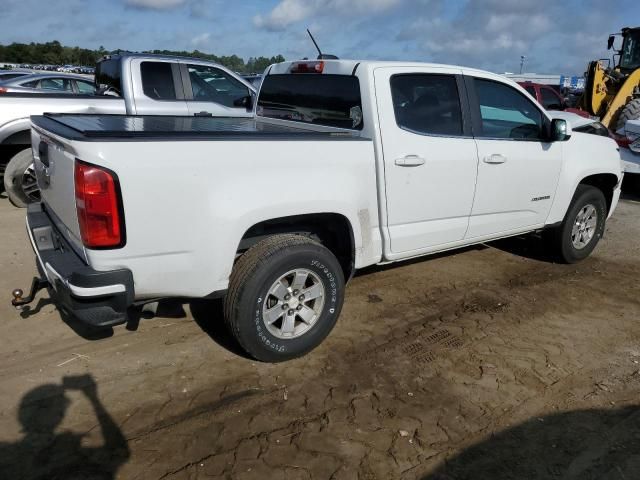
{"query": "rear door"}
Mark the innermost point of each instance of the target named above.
(160, 90)
(430, 157)
(212, 91)
(518, 168)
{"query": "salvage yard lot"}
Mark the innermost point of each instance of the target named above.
(493, 358)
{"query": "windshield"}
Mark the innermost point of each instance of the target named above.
(330, 100)
(630, 58)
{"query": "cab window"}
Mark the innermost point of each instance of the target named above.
(506, 113)
(210, 84)
(427, 104)
(157, 80)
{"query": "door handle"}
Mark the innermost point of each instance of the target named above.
(203, 114)
(410, 161)
(495, 158)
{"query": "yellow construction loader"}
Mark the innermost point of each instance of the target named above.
(613, 94)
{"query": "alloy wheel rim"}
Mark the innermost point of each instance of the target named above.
(293, 304)
(584, 226)
(29, 184)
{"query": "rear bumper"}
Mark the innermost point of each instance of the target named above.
(97, 298)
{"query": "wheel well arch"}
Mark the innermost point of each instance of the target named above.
(333, 230)
(23, 137)
(605, 182)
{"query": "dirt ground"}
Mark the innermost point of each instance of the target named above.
(488, 363)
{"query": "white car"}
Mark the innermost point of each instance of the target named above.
(346, 164)
(630, 146)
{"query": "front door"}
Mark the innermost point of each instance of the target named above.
(518, 167)
(430, 158)
(211, 91)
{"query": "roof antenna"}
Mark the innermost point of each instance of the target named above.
(321, 56)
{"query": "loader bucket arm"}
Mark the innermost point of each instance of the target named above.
(624, 96)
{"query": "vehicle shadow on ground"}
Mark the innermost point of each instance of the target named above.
(532, 246)
(209, 315)
(83, 330)
(46, 453)
(581, 444)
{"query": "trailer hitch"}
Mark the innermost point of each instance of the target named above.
(19, 302)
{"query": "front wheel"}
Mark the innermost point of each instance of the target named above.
(583, 225)
(285, 296)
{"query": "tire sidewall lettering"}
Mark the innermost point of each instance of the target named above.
(330, 283)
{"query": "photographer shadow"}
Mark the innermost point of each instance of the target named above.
(45, 453)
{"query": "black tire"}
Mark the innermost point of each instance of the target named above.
(631, 111)
(253, 275)
(15, 180)
(562, 237)
(3, 166)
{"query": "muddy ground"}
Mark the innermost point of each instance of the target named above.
(490, 363)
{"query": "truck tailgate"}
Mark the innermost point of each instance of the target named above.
(54, 161)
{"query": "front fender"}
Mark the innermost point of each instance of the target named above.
(583, 155)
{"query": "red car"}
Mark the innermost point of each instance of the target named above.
(550, 98)
(546, 96)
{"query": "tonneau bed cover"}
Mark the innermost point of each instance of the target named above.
(88, 127)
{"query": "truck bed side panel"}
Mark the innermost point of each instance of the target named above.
(188, 203)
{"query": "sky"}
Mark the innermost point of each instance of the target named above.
(555, 36)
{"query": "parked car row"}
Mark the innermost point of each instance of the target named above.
(58, 68)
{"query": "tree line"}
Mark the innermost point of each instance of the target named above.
(53, 53)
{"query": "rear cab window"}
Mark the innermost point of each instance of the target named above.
(320, 99)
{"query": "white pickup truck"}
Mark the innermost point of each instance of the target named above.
(346, 164)
(131, 83)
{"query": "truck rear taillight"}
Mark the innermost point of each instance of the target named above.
(3, 90)
(99, 206)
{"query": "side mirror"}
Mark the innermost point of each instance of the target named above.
(610, 41)
(560, 130)
(246, 101)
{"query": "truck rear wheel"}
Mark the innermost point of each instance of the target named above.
(20, 179)
(582, 226)
(285, 296)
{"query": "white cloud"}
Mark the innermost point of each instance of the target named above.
(155, 4)
(288, 12)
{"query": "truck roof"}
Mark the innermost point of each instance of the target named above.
(350, 67)
(158, 56)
